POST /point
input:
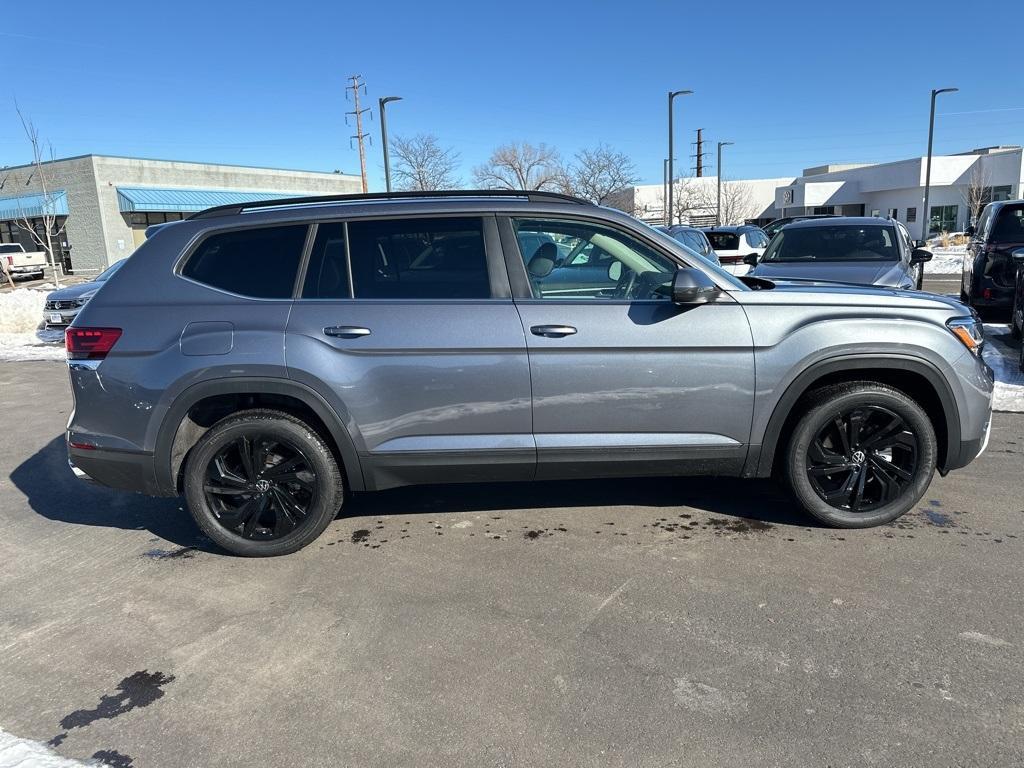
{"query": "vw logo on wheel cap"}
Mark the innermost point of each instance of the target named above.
(859, 456)
(262, 485)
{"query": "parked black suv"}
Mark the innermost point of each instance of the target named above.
(989, 273)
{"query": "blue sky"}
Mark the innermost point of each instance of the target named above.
(793, 84)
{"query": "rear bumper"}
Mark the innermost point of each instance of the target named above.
(115, 469)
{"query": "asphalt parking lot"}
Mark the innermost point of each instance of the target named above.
(632, 622)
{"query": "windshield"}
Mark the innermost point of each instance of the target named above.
(709, 266)
(1009, 226)
(10, 248)
(106, 273)
(724, 241)
(692, 240)
(834, 243)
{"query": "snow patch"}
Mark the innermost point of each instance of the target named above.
(945, 261)
(37, 345)
(24, 753)
(21, 311)
(1003, 358)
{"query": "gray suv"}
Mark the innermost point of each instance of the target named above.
(267, 359)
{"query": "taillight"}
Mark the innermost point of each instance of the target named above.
(90, 343)
(10, 261)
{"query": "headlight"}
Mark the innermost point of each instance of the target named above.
(80, 302)
(970, 332)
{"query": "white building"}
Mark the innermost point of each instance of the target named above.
(696, 200)
(893, 189)
(897, 189)
(102, 204)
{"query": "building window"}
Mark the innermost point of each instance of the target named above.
(911, 215)
(894, 213)
(143, 220)
(943, 218)
(1002, 193)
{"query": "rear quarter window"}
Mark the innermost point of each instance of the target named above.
(1009, 225)
(261, 262)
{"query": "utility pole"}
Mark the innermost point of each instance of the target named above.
(699, 170)
(357, 83)
(664, 190)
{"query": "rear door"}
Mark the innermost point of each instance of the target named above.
(624, 381)
(407, 326)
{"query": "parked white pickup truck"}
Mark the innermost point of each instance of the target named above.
(22, 263)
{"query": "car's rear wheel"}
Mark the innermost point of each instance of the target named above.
(262, 483)
(862, 455)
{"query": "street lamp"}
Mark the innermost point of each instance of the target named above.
(718, 210)
(927, 218)
(384, 137)
(671, 180)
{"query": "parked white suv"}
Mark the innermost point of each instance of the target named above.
(734, 244)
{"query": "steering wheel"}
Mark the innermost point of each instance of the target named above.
(624, 287)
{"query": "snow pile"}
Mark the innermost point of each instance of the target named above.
(1003, 357)
(40, 345)
(21, 311)
(946, 261)
(23, 753)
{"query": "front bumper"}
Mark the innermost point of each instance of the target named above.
(58, 318)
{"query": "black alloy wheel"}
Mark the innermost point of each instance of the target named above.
(260, 487)
(866, 457)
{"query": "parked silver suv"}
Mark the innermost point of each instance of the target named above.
(267, 359)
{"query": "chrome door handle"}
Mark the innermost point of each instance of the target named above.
(346, 331)
(552, 331)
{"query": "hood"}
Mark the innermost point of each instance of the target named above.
(796, 291)
(80, 291)
(887, 273)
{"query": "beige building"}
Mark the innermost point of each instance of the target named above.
(103, 204)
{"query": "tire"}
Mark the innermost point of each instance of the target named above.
(253, 515)
(896, 473)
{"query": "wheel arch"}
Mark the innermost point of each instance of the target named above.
(178, 433)
(914, 376)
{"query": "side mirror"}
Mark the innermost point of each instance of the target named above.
(751, 259)
(920, 255)
(970, 230)
(691, 286)
(1018, 257)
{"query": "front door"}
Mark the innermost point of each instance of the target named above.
(624, 381)
(418, 346)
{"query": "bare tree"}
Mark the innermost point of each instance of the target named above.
(40, 175)
(600, 175)
(737, 203)
(689, 199)
(423, 164)
(521, 166)
(978, 192)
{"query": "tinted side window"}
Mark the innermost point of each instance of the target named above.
(419, 259)
(260, 262)
(1009, 226)
(327, 272)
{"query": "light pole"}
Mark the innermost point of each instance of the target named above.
(926, 220)
(671, 180)
(384, 137)
(718, 169)
(664, 189)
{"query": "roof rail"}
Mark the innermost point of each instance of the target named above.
(531, 195)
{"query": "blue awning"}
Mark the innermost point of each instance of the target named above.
(53, 203)
(156, 200)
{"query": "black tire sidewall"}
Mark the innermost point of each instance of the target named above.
(841, 400)
(328, 483)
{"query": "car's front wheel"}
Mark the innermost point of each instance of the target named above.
(862, 455)
(262, 483)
